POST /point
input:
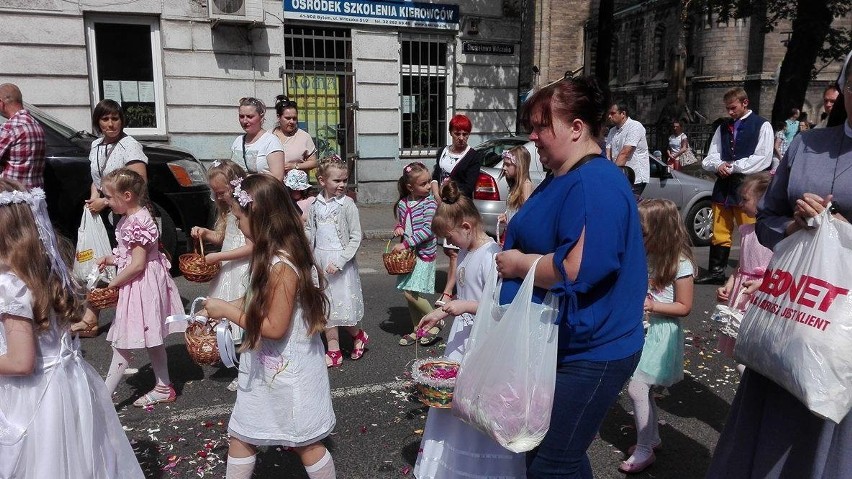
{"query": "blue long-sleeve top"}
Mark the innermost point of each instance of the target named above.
(600, 314)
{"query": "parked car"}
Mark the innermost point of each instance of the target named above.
(177, 183)
(691, 194)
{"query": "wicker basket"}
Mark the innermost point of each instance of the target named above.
(102, 298)
(201, 342)
(435, 380)
(399, 262)
(195, 268)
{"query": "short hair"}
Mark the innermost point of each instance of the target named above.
(10, 93)
(736, 93)
(461, 122)
(621, 107)
(568, 99)
(107, 107)
(829, 88)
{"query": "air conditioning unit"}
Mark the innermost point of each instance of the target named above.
(235, 11)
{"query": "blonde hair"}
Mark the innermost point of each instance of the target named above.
(666, 240)
(328, 163)
(455, 209)
(276, 228)
(22, 251)
(522, 175)
(757, 182)
(230, 171)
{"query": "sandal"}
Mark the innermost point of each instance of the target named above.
(364, 339)
(85, 330)
(431, 336)
(334, 358)
(408, 339)
(441, 301)
(154, 396)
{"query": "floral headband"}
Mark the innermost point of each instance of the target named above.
(241, 195)
(508, 157)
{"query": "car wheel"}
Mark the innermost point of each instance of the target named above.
(699, 223)
(168, 232)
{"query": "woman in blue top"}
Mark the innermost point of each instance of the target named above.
(584, 221)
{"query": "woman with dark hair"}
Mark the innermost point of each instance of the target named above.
(585, 223)
(460, 163)
(257, 150)
(769, 432)
(300, 153)
(114, 149)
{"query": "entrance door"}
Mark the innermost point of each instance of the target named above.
(318, 76)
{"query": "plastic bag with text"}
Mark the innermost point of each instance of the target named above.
(506, 381)
(92, 244)
(797, 329)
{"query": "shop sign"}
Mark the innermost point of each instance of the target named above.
(488, 48)
(393, 13)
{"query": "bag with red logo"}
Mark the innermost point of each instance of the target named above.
(797, 330)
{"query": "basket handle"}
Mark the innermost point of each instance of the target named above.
(194, 307)
(201, 247)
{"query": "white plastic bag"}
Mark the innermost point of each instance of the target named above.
(92, 244)
(797, 330)
(506, 381)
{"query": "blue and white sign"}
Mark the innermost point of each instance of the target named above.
(375, 12)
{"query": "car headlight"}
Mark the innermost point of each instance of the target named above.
(188, 173)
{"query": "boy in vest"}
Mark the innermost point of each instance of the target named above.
(741, 146)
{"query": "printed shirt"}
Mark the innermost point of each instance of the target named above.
(632, 133)
(22, 150)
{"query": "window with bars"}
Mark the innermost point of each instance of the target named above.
(425, 91)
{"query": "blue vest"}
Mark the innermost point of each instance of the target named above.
(725, 190)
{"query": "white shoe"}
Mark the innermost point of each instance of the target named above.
(233, 385)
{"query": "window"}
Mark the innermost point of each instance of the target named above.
(635, 56)
(126, 66)
(424, 101)
(660, 48)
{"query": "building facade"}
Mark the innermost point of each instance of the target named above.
(375, 81)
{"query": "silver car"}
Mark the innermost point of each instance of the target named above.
(690, 194)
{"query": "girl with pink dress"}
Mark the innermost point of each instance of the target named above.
(146, 292)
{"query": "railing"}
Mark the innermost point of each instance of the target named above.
(699, 137)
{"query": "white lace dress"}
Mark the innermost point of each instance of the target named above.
(59, 421)
(451, 448)
(232, 280)
(283, 393)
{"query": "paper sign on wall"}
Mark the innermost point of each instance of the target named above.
(112, 90)
(130, 91)
(146, 92)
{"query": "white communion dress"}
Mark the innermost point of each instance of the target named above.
(232, 280)
(59, 421)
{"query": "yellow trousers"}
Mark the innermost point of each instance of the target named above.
(724, 220)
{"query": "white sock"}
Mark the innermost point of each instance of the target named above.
(160, 365)
(645, 415)
(322, 469)
(240, 467)
(120, 360)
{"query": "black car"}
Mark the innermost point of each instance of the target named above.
(177, 183)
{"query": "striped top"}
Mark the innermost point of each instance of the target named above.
(420, 213)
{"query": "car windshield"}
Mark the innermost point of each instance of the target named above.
(56, 124)
(492, 149)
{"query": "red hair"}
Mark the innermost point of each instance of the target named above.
(461, 122)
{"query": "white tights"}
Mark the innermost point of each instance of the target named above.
(645, 414)
(322, 469)
(121, 359)
(239, 467)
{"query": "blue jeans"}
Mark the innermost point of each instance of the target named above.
(585, 390)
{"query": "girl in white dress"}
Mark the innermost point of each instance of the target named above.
(230, 283)
(283, 397)
(56, 418)
(334, 232)
(451, 448)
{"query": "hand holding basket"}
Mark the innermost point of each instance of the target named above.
(194, 267)
(399, 262)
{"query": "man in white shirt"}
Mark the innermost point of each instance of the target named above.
(829, 96)
(626, 145)
(741, 146)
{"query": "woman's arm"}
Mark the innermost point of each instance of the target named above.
(514, 264)
(682, 305)
(138, 167)
(468, 177)
(138, 257)
(19, 359)
(275, 160)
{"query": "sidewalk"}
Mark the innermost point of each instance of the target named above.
(376, 220)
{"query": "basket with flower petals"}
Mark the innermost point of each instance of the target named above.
(399, 262)
(195, 268)
(435, 379)
(102, 298)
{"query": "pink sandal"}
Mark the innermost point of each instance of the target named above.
(149, 398)
(333, 359)
(356, 351)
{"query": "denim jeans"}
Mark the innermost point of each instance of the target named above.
(585, 390)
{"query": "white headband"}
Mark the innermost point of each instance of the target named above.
(35, 198)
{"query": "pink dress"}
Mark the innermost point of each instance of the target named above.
(754, 258)
(145, 301)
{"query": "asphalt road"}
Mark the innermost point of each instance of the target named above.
(378, 424)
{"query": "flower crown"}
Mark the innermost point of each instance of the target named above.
(508, 155)
(15, 196)
(241, 195)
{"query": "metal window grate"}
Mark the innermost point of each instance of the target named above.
(426, 90)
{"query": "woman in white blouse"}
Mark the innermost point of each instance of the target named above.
(113, 150)
(257, 150)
